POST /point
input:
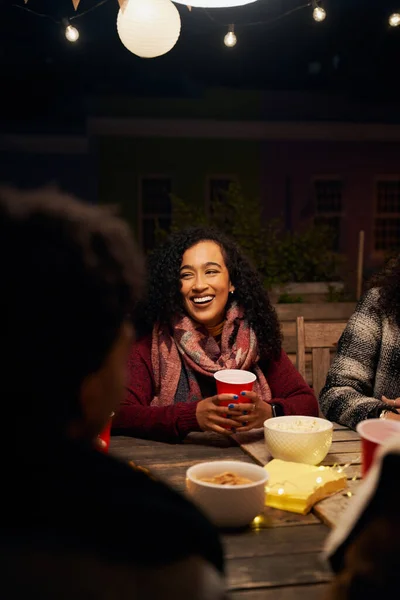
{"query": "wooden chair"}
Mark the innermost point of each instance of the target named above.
(321, 338)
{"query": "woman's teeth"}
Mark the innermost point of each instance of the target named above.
(203, 300)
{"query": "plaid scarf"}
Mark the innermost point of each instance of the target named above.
(190, 346)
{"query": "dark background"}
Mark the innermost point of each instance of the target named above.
(46, 80)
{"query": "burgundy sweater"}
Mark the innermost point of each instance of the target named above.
(172, 423)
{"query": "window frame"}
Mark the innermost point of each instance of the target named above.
(327, 214)
(379, 215)
(141, 216)
(211, 177)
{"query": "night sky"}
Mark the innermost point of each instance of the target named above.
(353, 50)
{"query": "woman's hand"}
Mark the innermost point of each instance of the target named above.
(392, 416)
(253, 414)
(213, 417)
(393, 403)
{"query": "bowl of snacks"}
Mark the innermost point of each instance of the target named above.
(231, 493)
(298, 439)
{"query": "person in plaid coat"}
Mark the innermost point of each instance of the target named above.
(364, 379)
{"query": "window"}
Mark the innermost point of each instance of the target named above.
(156, 209)
(328, 206)
(387, 217)
(217, 188)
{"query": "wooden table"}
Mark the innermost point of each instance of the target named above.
(281, 559)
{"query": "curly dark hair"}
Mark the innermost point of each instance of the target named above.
(70, 274)
(164, 299)
(388, 280)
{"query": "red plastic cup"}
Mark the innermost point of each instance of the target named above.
(375, 433)
(234, 381)
(105, 435)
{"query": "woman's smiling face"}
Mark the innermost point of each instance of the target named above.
(205, 283)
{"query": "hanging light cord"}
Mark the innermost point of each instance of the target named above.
(78, 16)
(85, 12)
(37, 14)
(211, 18)
(257, 23)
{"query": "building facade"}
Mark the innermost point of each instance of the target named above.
(305, 165)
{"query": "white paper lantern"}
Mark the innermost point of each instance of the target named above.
(214, 3)
(149, 28)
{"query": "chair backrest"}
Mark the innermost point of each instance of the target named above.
(321, 338)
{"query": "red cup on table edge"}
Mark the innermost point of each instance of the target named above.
(375, 433)
(234, 381)
(105, 435)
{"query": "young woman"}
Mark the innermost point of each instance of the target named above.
(364, 379)
(206, 310)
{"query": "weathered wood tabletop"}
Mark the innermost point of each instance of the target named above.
(281, 557)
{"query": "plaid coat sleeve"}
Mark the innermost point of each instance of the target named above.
(348, 395)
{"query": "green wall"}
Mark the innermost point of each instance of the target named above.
(123, 161)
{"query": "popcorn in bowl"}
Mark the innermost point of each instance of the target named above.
(299, 424)
(298, 438)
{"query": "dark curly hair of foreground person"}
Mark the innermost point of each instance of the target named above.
(70, 272)
(164, 299)
(388, 280)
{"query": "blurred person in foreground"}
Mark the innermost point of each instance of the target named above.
(364, 547)
(77, 523)
(206, 309)
(364, 379)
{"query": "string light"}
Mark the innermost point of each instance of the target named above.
(71, 33)
(230, 39)
(394, 20)
(286, 488)
(319, 13)
(215, 3)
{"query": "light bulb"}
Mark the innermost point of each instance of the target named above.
(394, 20)
(230, 39)
(319, 14)
(71, 33)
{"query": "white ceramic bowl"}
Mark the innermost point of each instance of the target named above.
(228, 505)
(298, 439)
